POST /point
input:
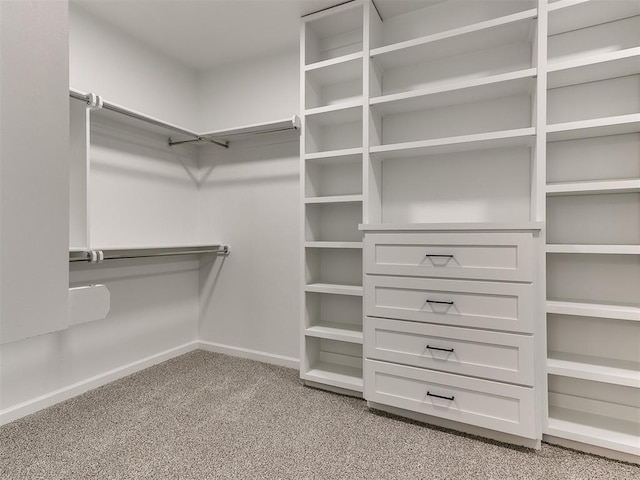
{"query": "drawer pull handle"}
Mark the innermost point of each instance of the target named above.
(438, 255)
(440, 301)
(450, 350)
(451, 398)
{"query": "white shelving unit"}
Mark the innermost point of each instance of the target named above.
(593, 225)
(332, 198)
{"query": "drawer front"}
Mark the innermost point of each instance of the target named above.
(497, 356)
(477, 256)
(487, 404)
(491, 305)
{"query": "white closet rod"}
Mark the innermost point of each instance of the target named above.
(97, 256)
(277, 126)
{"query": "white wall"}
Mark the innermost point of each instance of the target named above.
(249, 199)
(110, 63)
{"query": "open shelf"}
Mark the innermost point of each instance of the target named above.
(588, 309)
(335, 199)
(597, 127)
(355, 245)
(339, 68)
(464, 143)
(595, 249)
(340, 376)
(336, 331)
(475, 226)
(594, 187)
(594, 68)
(483, 35)
(339, 113)
(346, 155)
(597, 369)
(466, 91)
(569, 15)
(335, 289)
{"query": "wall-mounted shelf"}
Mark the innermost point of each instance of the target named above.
(594, 187)
(594, 68)
(479, 36)
(597, 127)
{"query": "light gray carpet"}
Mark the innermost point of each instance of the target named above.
(211, 416)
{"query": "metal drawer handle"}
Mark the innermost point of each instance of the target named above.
(439, 301)
(438, 255)
(429, 394)
(450, 350)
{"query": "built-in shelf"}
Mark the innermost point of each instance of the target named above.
(454, 93)
(597, 127)
(578, 426)
(594, 187)
(339, 67)
(484, 226)
(335, 289)
(569, 15)
(336, 331)
(464, 143)
(596, 369)
(334, 199)
(479, 36)
(594, 68)
(589, 309)
(354, 245)
(340, 376)
(338, 107)
(595, 249)
(346, 155)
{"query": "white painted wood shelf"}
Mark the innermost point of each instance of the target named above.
(597, 127)
(593, 68)
(569, 15)
(335, 289)
(340, 376)
(594, 187)
(342, 112)
(453, 93)
(483, 226)
(343, 60)
(600, 310)
(595, 369)
(521, 137)
(327, 244)
(594, 249)
(479, 36)
(334, 199)
(347, 155)
(336, 331)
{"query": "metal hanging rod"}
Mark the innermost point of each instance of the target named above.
(97, 256)
(217, 138)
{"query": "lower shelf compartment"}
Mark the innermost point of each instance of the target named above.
(336, 331)
(595, 430)
(333, 362)
(335, 375)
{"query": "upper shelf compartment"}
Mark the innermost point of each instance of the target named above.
(569, 15)
(330, 36)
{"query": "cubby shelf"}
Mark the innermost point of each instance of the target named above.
(594, 68)
(338, 107)
(336, 331)
(579, 429)
(597, 127)
(336, 375)
(596, 369)
(346, 155)
(479, 36)
(569, 15)
(336, 114)
(341, 67)
(464, 143)
(494, 86)
(354, 245)
(335, 199)
(594, 187)
(589, 309)
(335, 289)
(595, 249)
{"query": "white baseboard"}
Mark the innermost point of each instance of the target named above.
(31, 406)
(257, 355)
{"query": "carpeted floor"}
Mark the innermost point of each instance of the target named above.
(211, 416)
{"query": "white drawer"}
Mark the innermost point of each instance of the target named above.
(481, 256)
(498, 356)
(490, 305)
(497, 406)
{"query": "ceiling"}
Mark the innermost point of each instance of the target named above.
(202, 34)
